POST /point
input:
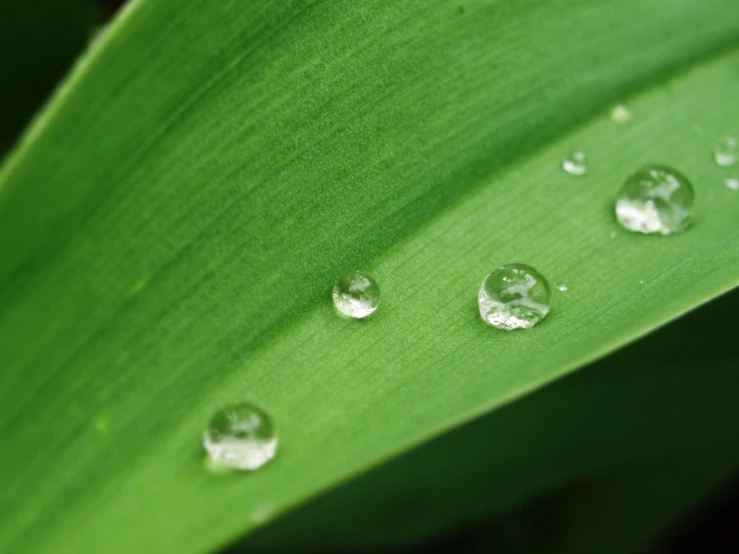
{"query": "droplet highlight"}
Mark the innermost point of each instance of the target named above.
(655, 199)
(240, 436)
(514, 296)
(620, 114)
(356, 294)
(575, 163)
(726, 151)
(561, 287)
(732, 182)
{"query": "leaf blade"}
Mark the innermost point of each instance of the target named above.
(148, 348)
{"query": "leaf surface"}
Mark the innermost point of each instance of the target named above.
(173, 222)
(621, 417)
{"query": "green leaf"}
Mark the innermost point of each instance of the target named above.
(619, 411)
(39, 41)
(173, 222)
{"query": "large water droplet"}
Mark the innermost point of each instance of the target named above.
(575, 163)
(655, 199)
(514, 296)
(356, 294)
(240, 436)
(726, 151)
(620, 114)
(732, 182)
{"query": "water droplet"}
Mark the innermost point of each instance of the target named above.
(732, 182)
(240, 436)
(575, 163)
(356, 294)
(620, 114)
(514, 296)
(562, 287)
(725, 152)
(655, 199)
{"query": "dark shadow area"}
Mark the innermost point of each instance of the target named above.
(39, 41)
(713, 528)
(108, 8)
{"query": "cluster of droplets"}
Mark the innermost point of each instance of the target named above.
(653, 199)
(657, 198)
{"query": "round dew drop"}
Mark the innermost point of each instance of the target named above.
(356, 294)
(621, 114)
(514, 296)
(240, 436)
(655, 199)
(732, 183)
(726, 151)
(575, 163)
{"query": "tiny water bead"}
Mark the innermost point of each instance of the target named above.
(726, 151)
(514, 296)
(620, 114)
(575, 163)
(240, 436)
(561, 287)
(732, 182)
(356, 294)
(655, 199)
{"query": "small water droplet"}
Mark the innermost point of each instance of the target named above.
(514, 296)
(655, 199)
(621, 114)
(240, 436)
(356, 294)
(575, 163)
(732, 182)
(725, 152)
(562, 287)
